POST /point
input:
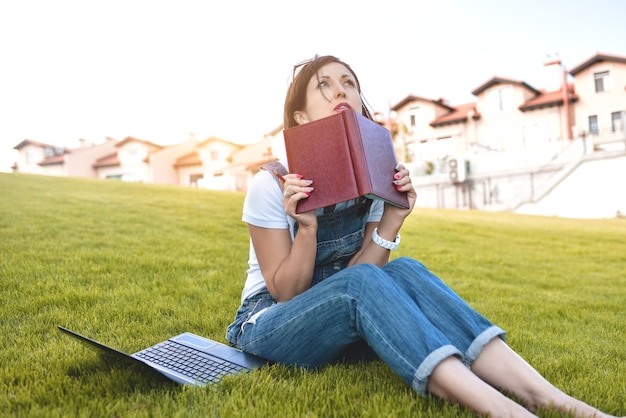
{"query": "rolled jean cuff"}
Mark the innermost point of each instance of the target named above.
(420, 380)
(480, 342)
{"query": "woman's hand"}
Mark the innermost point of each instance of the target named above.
(402, 182)
(295, 188)
(287, 266)
(389, 225)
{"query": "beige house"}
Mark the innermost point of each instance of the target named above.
(40, 158)
(600, 112)
(128, 162)
(247, 161)
(190, 163)
(508, 116)
(514, 141)
(432, 128)
(512, 117)
(206, 165)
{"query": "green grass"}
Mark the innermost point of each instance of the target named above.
(132, 264)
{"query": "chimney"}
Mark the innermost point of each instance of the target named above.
(553, 73)
(557, 80)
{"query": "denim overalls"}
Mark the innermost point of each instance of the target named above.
(339, 237)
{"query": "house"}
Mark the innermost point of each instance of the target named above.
(129, 161)
(600, 113)
(431, 128)
(40, 158)
(169, 164)
(247, 161)
(508, 116)
(206, 164)
(515, 139)
(190, 163)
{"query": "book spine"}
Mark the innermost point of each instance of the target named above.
(357, 153)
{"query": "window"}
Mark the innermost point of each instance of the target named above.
(215, 155)
(602, 81)
(617, 124)
(195, 180)
(413, 116)
(593, 124)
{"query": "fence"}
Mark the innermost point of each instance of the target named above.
(505, 190)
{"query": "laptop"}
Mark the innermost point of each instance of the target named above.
(186, 358)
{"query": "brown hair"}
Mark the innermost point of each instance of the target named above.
(302, 74)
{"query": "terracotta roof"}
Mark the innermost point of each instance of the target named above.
(57, 159)
(549, 99)
(193, 158)
(595, 59)
(501, 80)
(252, 154)
(108, 161)
(133, 139)
(412, 98)
(458, 115)
(216, 139)
(31, 142)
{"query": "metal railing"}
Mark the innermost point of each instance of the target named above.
(507, 190)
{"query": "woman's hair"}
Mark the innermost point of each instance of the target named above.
(302, 74)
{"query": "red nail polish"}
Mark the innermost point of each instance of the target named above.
(299, 176)
(397, 176)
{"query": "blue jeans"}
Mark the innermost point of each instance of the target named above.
(405, 314)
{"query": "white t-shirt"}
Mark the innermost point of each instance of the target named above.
(263, 207)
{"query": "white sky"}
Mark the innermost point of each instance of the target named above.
(158, 70)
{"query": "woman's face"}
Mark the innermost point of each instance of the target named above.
(333, 90)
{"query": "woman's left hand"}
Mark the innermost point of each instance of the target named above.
(402, 182)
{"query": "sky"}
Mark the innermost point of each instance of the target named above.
(161, 70)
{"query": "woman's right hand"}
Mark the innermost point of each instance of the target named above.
(295, 188)
(287, 266)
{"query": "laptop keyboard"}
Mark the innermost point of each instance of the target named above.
(189, 362)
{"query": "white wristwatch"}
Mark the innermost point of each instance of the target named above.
(388, 245)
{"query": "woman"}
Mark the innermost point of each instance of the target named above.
(320, 285)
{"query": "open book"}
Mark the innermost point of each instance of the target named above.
(347, 156)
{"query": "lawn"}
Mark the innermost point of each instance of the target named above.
(132, 264)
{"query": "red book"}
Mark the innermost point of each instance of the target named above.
(347, 156)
